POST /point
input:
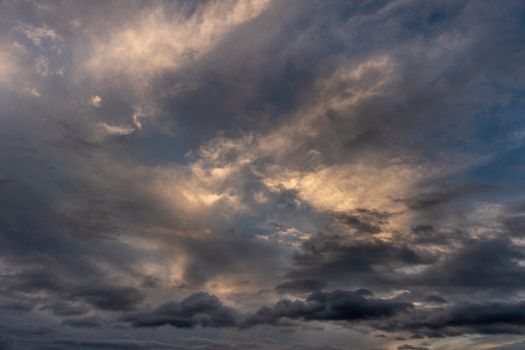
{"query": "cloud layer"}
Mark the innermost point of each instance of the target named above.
(262, 175)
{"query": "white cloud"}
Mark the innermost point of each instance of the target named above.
(41, 35)
(154, 42)
(116, 129)
(41, 66)
(95, 101)
(34, 92)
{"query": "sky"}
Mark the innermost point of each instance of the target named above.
(262, 175)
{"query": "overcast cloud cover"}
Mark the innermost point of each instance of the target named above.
(258, 174)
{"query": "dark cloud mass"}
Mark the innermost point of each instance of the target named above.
(262, 174)
(338, 305)
(199, 309)
(109, 297)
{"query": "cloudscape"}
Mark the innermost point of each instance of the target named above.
(262, 175)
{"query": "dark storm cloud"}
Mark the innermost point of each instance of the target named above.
(108, 345)
(314, 347)
(488, 264)
(199, 309)
(364, 221)
(114, 298)
(194, 343)
(108, 111)
(467, 318)
(40, 235)
(328, 256)
(338, 305)
(28, 284)
(412, 347)
(204, 310)
(33, 280)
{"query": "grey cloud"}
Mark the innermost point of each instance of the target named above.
(514, 346)
(515, 225)
(468, 318)
(193, 343)
(100, 295)
(109, 297)
(336, 257)
(299, 286)
(313, 347)
(428, 200)
(364, 292)
(199, 309)
(33, 280)
(412, 347)
(205, 310)
(338, 305)
(84, 322)
(108, 345)
(18, 305)
(488, 264)
(364, 221)
(441, 196)
(435, 299)
(226, 253)
(63, 308)
(436, 85)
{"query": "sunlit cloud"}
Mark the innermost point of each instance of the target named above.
(95, 101)
(154, 42)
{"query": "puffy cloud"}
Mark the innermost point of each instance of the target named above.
(198, 309)
(333, 306)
